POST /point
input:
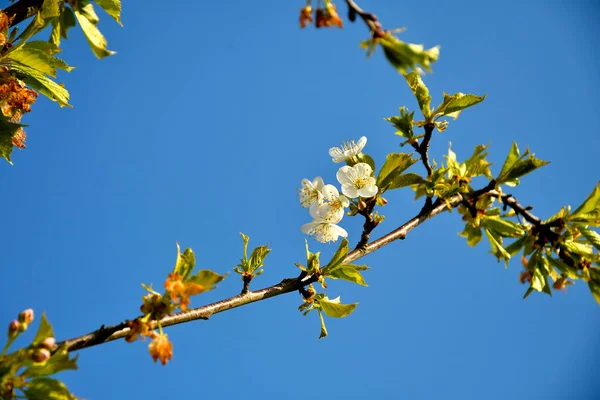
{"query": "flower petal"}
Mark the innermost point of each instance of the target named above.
(368, 191)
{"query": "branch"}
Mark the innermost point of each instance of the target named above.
(108, 334)
(21, 10)
(369, 19)
(423, 148)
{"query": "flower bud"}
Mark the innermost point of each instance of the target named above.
(362, 205)
(48, 343)
(26, 317)
(14, 328)
(40, 355)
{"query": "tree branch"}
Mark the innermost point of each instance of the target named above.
(21, 10)
(108, 334)
(369, 19)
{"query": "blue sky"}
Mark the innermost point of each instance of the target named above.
(203, 125)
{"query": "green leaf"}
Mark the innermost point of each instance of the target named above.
(511, 159)
(516, 246)
(7, 131)
(207, 278)
(323, 328)
(589, 211)
(87, 18)
(257, 258)
(403, 180)
(454, 104)
(184, 265)
(403, 123)
(47, 389)
(38, 81)
(592, 236)
(421, 93)
(516, 166)
(112, 8)
(395, 164)
(595, 289)
(67, 21)
(333, 308)
(405, 56)
(44, 331)
(497, 248)
(337, 258)
(59, 361)
(472, 233)
(348, 272)
(538, 281)
(502, 227)
(477, 165)
(35, 56)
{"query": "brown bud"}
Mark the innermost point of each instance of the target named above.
(362, 205)
(13, 329)
(48, 343)
(26, 317)
(40, 355)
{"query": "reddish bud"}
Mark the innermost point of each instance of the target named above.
(48, 343)
(13, 329)
(26, 317)
(40, 355)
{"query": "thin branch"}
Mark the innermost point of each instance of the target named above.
(21, 10)
(423, 148)
(108, 334)
(369, 19)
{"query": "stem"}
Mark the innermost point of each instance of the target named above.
(7, 345)
(21, 10)
(369, 19)
(108, 334)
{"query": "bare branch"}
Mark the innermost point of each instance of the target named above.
(21, 10)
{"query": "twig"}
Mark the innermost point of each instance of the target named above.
(369, 19)
(423, 148)
(108, 334)
(21, 10)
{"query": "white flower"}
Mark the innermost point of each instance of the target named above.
(336, 202)
(348, 150)
(310, 193)
(324, 229)
(357, 180)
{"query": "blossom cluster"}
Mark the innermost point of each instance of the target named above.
(324, 201)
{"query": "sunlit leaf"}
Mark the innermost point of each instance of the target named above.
(47, 389)
(415, 83)
(333, 307)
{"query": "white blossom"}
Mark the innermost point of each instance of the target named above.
(310, 193)
(348, 150)
(324, 229)
(334, 205)
(357, 180)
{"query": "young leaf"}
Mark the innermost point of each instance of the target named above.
(395, 164)
(454, 104)
(403, 123)
(44, 331)
(337, 258)
(502, 227)
(87, 18)
(592, 236)
(112, 8)
(589, 211)
(516, 166)
(348, 272)
(595, 289)
(7, 131)
(335, 309)
(472, 233)
(38, 81)
(497, 248)
(421, 93)
(405, 56)
(185, 262)
(323, 328)
(206, 278)
(47, 388)
(404, 180)
(35, 56)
